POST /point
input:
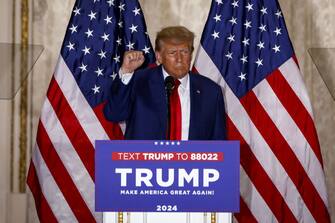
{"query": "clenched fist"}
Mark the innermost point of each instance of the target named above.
(131, 61)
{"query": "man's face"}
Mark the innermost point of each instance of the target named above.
(175, 57)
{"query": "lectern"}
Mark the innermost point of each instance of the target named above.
(167, 181)
(154, 217)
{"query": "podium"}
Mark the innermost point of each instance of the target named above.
(167, 182)
(154, 217)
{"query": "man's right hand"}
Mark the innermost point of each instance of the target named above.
(131, 61)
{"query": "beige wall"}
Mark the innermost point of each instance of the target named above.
(5, 111)
(310, 23)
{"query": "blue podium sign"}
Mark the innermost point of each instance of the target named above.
(167, 176)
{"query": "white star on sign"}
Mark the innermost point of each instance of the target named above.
(73, 29)
(146, 50)
(130, 45)
(89, 33)
(259, 62)
(136, 11)
(76, 11)
(276, 48)
(277, 31)
(242, 76)
(96, 89)
(92, 15)
(70, 46)
(216, 35)
(105, 37)
(133, 28)
(86, 50)
(99, 72)
(83, 67)
(108, 19)
(102, 54)
(217, 18)
(120, 24)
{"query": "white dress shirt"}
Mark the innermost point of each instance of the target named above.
(184, 95)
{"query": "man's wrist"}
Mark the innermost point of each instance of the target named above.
(125, 76)
(125, 71)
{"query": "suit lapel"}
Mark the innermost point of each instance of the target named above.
(195, 94)
(157, 91)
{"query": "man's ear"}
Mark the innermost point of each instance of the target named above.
(158, 57)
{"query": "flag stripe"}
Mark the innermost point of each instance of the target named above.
(291, 73)
(71, 126)
(62, 177)
(69, 156)
(244, 215)
(296, 61)
(259, 147)
(296, 110)
(50, 190)
(292, 134)
(259, 178)
(255, 202)
(112, 129)
(79, 105)
(285, 155)
(44, 211)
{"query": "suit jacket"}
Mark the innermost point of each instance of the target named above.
(143, 105)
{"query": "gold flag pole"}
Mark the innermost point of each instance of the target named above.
(24, 96)
(12, 120)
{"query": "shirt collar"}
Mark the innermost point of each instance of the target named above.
(183, 81)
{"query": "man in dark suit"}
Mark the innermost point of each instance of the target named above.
(140, 98)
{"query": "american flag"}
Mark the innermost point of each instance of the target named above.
(61, 174)
(246, 49)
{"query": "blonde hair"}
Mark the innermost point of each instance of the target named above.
(174, 34)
